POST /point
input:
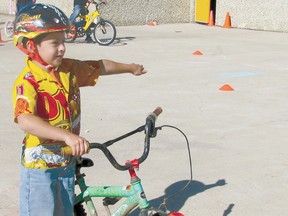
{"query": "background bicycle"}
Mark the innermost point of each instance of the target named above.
(14, 7)
(9, 28)
(103, 31)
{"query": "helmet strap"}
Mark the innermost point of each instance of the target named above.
(35, 56)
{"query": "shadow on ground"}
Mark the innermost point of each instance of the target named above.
(176, 202)
(122, 41)
(119, 41)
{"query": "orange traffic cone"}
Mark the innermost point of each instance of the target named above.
(211, 19)
(227, 23)
(152, 23)
(197, 53)
(1, 41)
(226, 87)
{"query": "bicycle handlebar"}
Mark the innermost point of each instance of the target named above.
(150, 131)
(97, 5)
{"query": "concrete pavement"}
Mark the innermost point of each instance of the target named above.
(238, 138)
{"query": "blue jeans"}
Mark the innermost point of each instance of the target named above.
(47, 192)
(22, 5)
(76, 10)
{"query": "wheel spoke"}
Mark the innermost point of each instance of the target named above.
(104, 33)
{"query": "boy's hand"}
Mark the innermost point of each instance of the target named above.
(137, 69)
(103, 1)
(78, 144)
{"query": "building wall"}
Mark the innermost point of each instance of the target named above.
(254, 14)
(131, 12)
(251, 14)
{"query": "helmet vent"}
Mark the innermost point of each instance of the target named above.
(56, 20)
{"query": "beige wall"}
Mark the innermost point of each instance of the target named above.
(268, 15)
(131, 12)
(252, 14)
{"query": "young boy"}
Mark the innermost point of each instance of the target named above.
(46, 100)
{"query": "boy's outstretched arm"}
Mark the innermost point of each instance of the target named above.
(112, 67)
(37, 127)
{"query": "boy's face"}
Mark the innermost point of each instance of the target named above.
(52, 48)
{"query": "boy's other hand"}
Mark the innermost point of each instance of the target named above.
(138, 69)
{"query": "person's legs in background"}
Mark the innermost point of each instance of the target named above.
(20, 5)
(88, 32)
(76, 11)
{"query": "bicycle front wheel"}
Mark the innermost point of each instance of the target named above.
(152, 212)
(9, 28)
(104, 32)
(79, 210)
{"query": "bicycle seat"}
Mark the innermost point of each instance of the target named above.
(85, 162)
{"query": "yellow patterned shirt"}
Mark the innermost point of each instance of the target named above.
(36, 92)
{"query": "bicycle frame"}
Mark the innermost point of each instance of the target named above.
(133, 193)
(89, 18)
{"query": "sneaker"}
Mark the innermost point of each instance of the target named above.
(89, 39)
(70, 36)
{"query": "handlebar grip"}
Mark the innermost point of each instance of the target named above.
(67, 150)
(150, 122)
(158, 111)
(153, 116)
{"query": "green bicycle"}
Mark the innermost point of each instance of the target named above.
(133, 194)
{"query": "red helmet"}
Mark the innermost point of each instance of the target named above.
(38, 19)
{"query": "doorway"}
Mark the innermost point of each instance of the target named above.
(202, 10)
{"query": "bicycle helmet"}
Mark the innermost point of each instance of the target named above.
(39, 19)
(35, 20)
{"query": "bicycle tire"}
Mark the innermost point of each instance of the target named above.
(9, 28)
(104, 32)
(71, 34)
(152, 212)
(79, 210)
